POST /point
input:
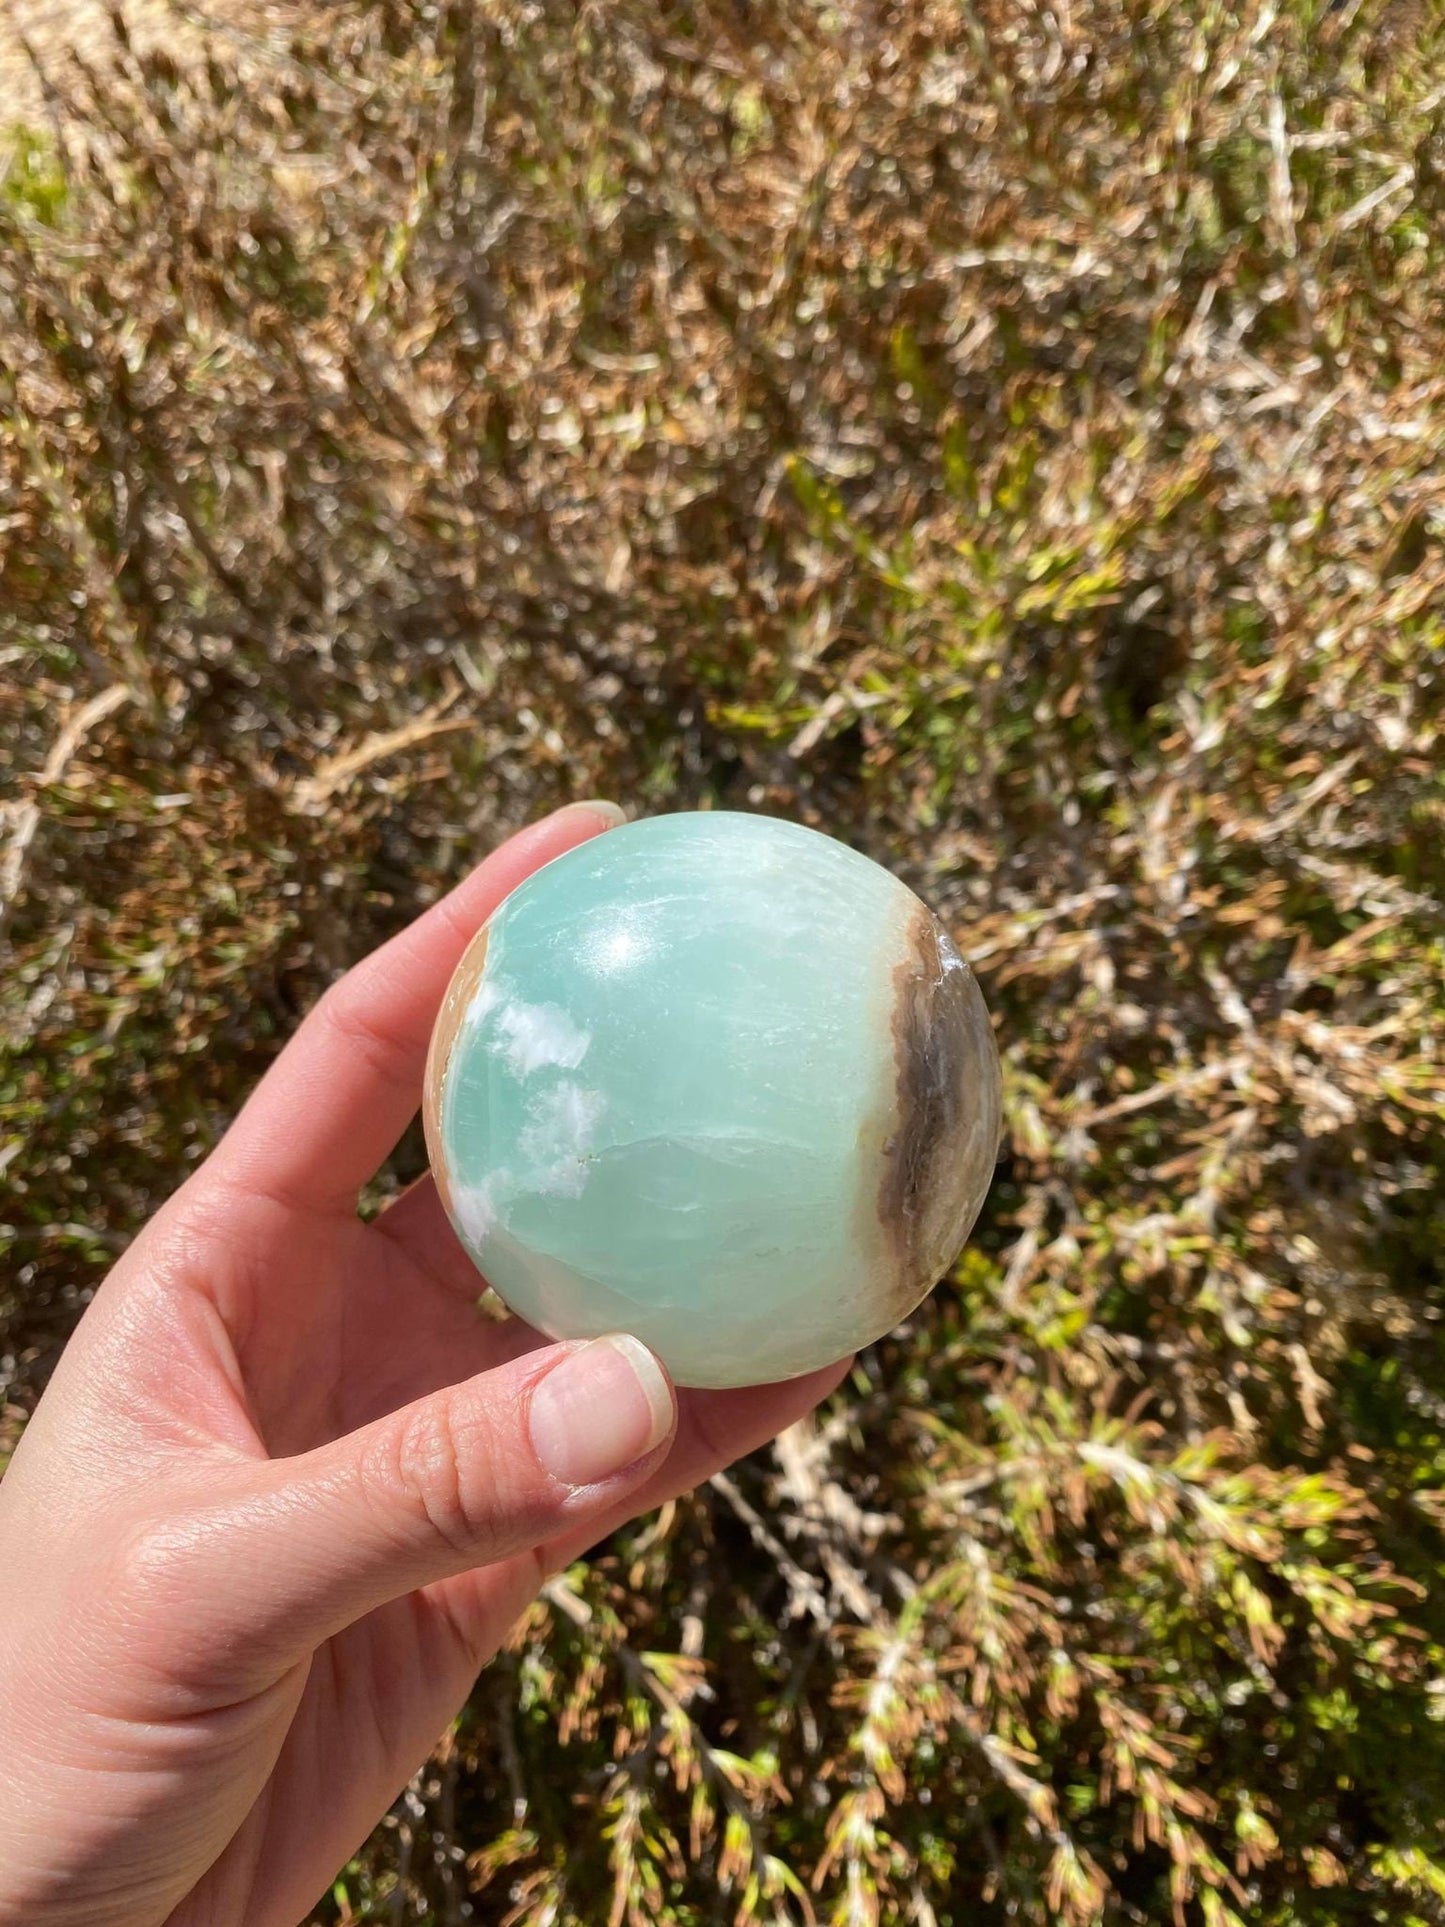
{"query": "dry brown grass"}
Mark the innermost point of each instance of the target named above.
(1011, 439)
(38, 38)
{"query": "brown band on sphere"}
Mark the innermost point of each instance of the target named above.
(944, 1061)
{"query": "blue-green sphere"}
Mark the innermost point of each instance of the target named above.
(721, 1082)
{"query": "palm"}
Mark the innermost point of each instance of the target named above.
(373, 1316)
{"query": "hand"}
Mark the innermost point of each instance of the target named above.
(289, 1486)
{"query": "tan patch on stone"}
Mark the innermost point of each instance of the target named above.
(466, 980)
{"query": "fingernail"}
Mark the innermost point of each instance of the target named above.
(599, 1409)
(608, 814)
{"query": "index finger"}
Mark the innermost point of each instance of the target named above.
(333, 1105)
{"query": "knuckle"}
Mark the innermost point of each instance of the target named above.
(167, 1612)
(153, 1565)
(351, 1011)
(431, 1477)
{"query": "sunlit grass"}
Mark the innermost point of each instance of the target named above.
(1008, 438)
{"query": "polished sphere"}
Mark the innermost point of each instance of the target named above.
(718, 1081)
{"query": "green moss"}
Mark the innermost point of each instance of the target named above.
(32, 177)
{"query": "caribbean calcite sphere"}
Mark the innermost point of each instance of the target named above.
(718, 1081)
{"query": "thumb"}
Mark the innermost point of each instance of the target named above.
(475, 1473)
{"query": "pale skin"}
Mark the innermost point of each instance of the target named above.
(289, 1488)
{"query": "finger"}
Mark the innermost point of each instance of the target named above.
(714, 1429)
(475, 1473)
(333, 1105)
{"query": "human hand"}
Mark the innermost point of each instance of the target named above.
(289, 1487)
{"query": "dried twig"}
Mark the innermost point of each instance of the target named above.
(333, 775)
(25, 817)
